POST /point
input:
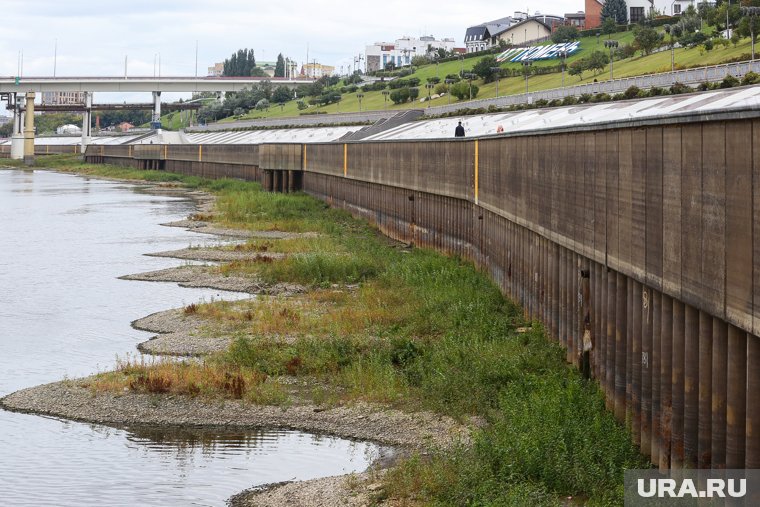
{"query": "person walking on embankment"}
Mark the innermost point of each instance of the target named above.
(459, 131)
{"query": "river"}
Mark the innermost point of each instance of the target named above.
(65, 314)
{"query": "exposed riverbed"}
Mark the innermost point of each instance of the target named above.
(65, 313)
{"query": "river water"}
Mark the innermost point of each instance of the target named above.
(64, 313)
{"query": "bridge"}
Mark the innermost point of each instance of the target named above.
(19, 92)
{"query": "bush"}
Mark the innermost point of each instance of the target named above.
(729, 82)
(656, 91)
(441, 88)
(618, 96)
(414, 93)
(601, 97)
(632, 92)
(585, 97)
(680, 88)
(751, 78)
(400, 96)
(569, 100)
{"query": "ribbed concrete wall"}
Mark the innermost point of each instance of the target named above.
(639, 242)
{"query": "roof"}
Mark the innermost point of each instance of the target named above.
(659, 110)
(537, 19)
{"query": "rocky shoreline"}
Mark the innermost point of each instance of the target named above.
(179, 334)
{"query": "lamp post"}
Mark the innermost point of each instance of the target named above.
(469, 76)
(360, 96)
(385, 98)
(497, 72)
(448, 82)
(611, 44)
(526, 70)
(563, 56)
(429, 87)
(751, 13)
(461, 61)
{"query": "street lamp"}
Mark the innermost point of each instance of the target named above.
(360, 96)
(385, 97)
(611, 44)
(461, 60)
(751, 13)
(448, 82)
(563, 56)
(469, 77)
(497, 72)
(429, 87)
(526, 70)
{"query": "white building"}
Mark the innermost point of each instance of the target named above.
(68, 130)
(531, 28)
(402, 50)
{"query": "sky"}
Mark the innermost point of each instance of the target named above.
(93, 38)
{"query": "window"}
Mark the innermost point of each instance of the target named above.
(637, 14)
(676, 8)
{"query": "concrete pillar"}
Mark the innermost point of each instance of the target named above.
(29, 130)
(87, 121)
(17, 140)
(156, 108)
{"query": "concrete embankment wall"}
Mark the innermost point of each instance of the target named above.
(643, 239)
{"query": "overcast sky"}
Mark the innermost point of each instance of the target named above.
(94, 37)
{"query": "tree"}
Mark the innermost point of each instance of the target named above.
(461, 90)
(617, 10)
(279, 68)
(262, 104)
(483, 68)
(646, 39)
(577, 68)
(564, 33)
(282, 94)
(609, 26)
(241, 63)
(597, 61)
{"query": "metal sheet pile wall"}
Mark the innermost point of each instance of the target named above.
(641, 239)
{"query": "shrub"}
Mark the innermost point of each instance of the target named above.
(679, 88)
(656, 91)
(569, 100)
(632, 92)
(414, 93)
(751, 78)
(585, 97)
(601, 97)
(703, 87)
(441, 88)
(729, 82)
(619, 96)
(541, 102)
(400, 96)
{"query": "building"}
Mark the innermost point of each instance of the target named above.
(68, 130)
(217, 70)
(316, 70)
(576, 19)
(62, 98)
(517, 29)
(403, 50)
(639, 9)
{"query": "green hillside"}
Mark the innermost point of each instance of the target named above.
(633, 66)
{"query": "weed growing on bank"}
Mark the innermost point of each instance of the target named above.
(413, 329)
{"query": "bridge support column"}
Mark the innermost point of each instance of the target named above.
(87, 121)
(17, 140)
(29, 130)
(156, 120)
